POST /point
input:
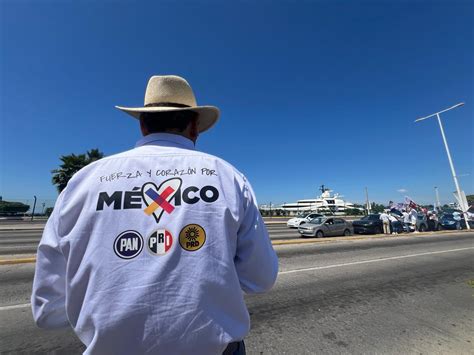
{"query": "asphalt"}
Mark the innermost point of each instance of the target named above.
(18, 242)
(402, 295)
(369, 297)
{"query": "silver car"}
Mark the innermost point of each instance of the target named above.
(295, 222)
(326, 227)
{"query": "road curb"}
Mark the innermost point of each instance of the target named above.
(362, 237)
(286, 242)
(13, 229)
(320, 240)
(18, 261)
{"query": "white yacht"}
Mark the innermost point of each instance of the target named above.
(327, 202)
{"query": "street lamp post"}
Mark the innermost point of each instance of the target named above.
(367, 200)
(456, 182)
(34, 206)
(438, 204)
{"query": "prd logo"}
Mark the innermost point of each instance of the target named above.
(128, 244)
(192, 237)
(160, 242)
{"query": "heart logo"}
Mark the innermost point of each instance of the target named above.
(157, 199)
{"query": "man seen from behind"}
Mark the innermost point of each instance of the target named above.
(149, 250)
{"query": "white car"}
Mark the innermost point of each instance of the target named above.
(295, 222)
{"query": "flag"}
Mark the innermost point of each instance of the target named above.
(410, 203)
(396, 206)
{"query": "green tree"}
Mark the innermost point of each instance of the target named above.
(13, 208)
(428, 207)
(71, 164)
(376, 208)
(353, 212)
(470, 200)
(48, 211)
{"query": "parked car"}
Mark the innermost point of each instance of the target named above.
(447, 221)
(423, 224)
(325, 227)
(295, 222)
(370, 224)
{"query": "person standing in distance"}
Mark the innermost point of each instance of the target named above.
(385, 222)
(393, 223)
(413, 218)
(148, 251)
(406, 220)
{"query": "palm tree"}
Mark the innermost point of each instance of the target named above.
(93, 155)
(72, 164)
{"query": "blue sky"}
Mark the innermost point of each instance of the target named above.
(310, 92)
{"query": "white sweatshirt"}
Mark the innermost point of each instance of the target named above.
(149, 251)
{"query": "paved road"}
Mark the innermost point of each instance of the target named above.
(19, 241)
(25, 241)
(22, 238)
(22, 242)
(407, 295)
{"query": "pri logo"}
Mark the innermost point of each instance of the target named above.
(160, 242)
(157, 199)
(192, 237)
(128, 244)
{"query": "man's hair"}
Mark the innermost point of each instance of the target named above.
(157, 122)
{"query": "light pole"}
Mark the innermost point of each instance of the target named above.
(34, 206)
(367, 200)
(438, 207)
(456, 182)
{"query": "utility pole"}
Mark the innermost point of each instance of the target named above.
(34, 206)
(438, 204)
(456, 182)
(367, 200)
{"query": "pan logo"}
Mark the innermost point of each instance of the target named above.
(160, 242)
(128, 244)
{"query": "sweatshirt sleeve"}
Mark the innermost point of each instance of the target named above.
(49, 292)
(256, 261)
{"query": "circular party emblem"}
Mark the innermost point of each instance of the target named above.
(192, 237)
(128, 244)
(160, 242)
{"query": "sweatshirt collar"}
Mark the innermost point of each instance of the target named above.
(166, 140)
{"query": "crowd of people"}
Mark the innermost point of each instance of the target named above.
(396, 221)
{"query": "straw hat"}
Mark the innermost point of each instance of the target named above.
(173, 93)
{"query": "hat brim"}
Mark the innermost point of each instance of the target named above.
(208, 115)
